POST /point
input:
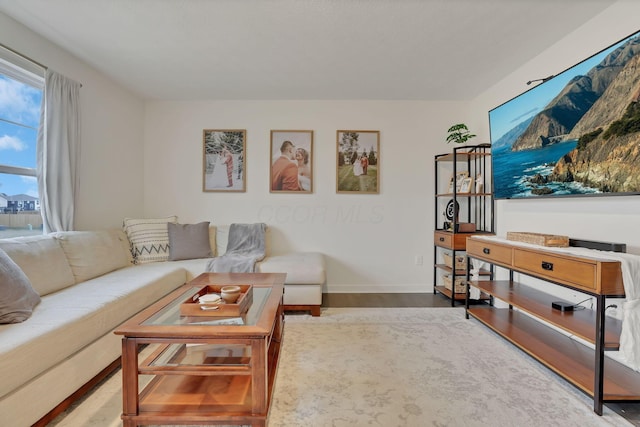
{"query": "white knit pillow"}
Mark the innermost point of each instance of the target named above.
(149, 238)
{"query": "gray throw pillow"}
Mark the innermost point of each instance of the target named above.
(17, 296)
(189, 241)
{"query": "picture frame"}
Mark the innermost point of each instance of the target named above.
(224, 160)
(460, 176)
(479, 184)
(362, 146)
(291, 147)
(465, 186)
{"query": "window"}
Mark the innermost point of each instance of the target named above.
(21, 89)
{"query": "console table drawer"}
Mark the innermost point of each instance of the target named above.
(489, 251)
(557, 268)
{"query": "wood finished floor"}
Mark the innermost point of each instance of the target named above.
(385, 300)
(630, 411)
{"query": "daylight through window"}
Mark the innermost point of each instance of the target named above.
(21, 88)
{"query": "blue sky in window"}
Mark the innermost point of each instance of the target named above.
(19, 103)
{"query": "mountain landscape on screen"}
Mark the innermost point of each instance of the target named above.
(586, 140)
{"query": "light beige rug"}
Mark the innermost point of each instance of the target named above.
(397, 367)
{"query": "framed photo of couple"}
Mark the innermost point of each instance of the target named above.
(291, 167)
(224, 160)
(358, 160)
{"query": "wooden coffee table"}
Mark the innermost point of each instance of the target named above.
(204, 371)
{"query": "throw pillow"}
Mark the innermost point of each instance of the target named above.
(149, 238)
(189, 241)
(93, 253)
(17, 297)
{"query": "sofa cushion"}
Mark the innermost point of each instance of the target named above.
(43, 261)
(71, 319)
(93, 253)
(17, 297)
(149, 238)
(302, 268)
(189, 241)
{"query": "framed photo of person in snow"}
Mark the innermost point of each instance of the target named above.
(224, 160)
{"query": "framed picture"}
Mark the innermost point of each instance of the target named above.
(479, 184)
(224, 160)
(291, 169)
(358, 161)
(460, 176)
(465, 187)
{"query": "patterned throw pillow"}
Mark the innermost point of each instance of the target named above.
(149, 238)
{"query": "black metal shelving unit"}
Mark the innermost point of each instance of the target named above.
(466, 209)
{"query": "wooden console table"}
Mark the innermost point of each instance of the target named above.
(587, 368)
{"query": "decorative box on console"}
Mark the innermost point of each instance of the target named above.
(192, 307)
(550, 240)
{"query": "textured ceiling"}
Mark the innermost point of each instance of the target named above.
(305, 49)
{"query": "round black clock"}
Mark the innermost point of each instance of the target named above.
(451, 210)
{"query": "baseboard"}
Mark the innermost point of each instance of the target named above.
(377, 289)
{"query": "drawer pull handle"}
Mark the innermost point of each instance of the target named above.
(486, 251)
(442, 239)
(547, 266)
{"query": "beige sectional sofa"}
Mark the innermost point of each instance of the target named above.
(89, 285)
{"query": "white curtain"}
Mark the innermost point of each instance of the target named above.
(58, 151)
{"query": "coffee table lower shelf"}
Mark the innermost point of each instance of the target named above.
(205, 399)
(196, 398)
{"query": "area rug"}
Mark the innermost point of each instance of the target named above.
(416, 367)
(409, 367)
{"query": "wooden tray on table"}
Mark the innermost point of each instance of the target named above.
(192, 306)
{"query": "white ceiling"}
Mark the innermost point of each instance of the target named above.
(305, 49)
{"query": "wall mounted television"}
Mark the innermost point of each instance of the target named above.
(574, 134)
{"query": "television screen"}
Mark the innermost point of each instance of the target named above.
(574, 134)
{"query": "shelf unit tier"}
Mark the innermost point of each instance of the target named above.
(458, 296)
(460, 272)
(580, 323)
(450, 294)
(463, 194)
(568, 358)
(462, 156)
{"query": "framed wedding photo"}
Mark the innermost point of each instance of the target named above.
(358, 161)
(224, 160)
(291, 163)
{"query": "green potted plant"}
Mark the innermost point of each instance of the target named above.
(459, 134)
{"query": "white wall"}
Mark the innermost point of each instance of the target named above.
(111, 157)
(370, 240)
(600, 218)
